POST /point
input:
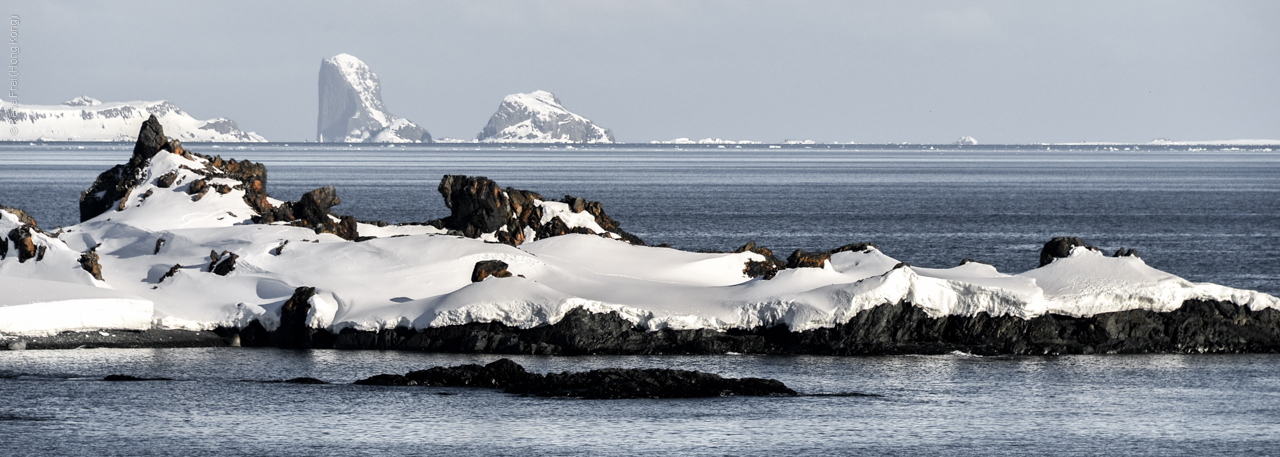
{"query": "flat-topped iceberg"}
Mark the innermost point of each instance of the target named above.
(185, 241)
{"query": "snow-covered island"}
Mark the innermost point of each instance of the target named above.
(351, 109)
(538, 117)
(86, 119)
(174, 240)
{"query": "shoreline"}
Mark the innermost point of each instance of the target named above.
(899, 329)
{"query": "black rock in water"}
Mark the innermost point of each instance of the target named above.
(125, 377)
(387, 380)
(609, 383)
(617, 383)
(304, 380)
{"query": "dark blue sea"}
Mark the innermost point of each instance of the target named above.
(1204, 213)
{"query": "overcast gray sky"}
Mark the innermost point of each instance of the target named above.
(924, 71)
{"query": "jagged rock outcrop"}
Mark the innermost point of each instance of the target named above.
(478, 207)
(487, 268)
(222, 264)
(86, 119)
(1060, 247)
(313, 210)
(115, 184)
(607, 383)
(351, 109)
(539, 117)
(89, 262)
(293, 330)
(801, 259)
(765, 269)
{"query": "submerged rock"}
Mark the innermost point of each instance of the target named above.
(125, 377)
(608, 383)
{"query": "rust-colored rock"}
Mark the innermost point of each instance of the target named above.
(24, 243)
(89, 262)
(487, 268)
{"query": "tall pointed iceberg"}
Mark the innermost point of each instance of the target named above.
(351, 109)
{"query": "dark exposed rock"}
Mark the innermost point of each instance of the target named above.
(801, 259)
(198, 187)
(499, 374)
(617, 383)
(1060, 247)
(304, 380)
(125, 377)
(89, 262)
(1197, 326)
(761, 269)
(114, 185)
(387, 380)
(166, 180)
(487, 268)
(1125, 253)
(222, 264)
(24, 243)
(478, 206)
(609, 383)
(169, 274)
(293, 330)
(159, 244)
(23, 217)
(312, 210)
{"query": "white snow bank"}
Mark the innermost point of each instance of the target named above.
(39, 307)
(416, 276)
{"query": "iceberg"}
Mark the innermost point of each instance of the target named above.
(351, 108)
(538, 117)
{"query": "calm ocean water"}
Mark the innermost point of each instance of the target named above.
(54, 404)
(1206, 215)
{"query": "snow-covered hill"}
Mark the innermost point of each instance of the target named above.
(539, 117)
(351, 109)
(148, 247)
(86, 119)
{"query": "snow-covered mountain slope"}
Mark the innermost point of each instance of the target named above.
(539, 117)
(198, 240)
(86, 119)
(351, 109)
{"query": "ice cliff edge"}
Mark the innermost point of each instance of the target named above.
(351, 109)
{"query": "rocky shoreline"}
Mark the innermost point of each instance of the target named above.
(1196, 327)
